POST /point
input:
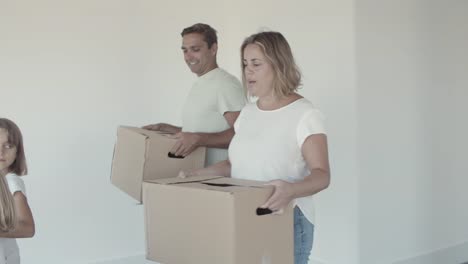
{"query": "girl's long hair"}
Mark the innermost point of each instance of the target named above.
(7, 208)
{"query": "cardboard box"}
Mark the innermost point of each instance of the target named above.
(213, 220)
(141, 155)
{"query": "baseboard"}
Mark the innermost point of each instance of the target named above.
(456, 254)
(140, 259)
(137, 259)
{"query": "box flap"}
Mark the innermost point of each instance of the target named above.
(239, 182)
(142, 131)
(178, 180)
(230, 185)
(128, 162)
(213, 183)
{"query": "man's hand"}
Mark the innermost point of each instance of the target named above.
(186, 143)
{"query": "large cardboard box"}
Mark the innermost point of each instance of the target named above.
(141, 155)
(213, 220)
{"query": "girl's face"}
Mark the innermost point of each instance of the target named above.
(258, 72)
(7, 152)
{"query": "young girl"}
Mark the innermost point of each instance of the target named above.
(16, 220)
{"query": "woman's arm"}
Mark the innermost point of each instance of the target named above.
(24, 219)
(315, 152)
(222, 168)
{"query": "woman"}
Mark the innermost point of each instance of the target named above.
(280, 138)
(16, 220)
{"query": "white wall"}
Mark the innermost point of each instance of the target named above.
(72, 71)
(386, 75)
(412, 64)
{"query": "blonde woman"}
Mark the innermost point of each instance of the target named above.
(280, 138)
(16, 220)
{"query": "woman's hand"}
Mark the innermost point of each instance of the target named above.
(281, 197)
(186, 173)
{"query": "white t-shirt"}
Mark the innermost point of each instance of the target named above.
(267, 145)
(212, 95)
(9, 252)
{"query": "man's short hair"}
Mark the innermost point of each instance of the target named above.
(208, 33)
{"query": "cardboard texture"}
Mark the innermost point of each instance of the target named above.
(141, 155)
(189, 221)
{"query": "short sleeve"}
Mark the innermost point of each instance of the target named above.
(230, 97)
(311, 123)
(238, 121)
(15, 184)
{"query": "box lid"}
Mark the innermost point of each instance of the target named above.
(176, 180)
(212, 183)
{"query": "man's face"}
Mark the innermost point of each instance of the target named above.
(197, 55)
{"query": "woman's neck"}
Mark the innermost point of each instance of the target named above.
(273, 102)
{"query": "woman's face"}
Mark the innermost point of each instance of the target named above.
(258, 72)
(7, 152)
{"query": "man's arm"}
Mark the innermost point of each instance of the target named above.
(231, 117)
(188, 142)
(219, 139)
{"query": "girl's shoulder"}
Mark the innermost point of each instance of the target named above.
(15, 183)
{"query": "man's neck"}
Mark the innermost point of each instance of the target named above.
(209, 69)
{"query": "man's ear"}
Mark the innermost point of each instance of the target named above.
(214, 48)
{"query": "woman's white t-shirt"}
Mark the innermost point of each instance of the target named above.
(267, 145)
(9, 252)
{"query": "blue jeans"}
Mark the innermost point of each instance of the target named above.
(303, 237)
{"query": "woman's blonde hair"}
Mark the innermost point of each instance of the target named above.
(19, 167)
(287, 76)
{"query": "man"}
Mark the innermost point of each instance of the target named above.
(213, 103)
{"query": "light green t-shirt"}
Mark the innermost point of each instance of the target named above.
(212, 95)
